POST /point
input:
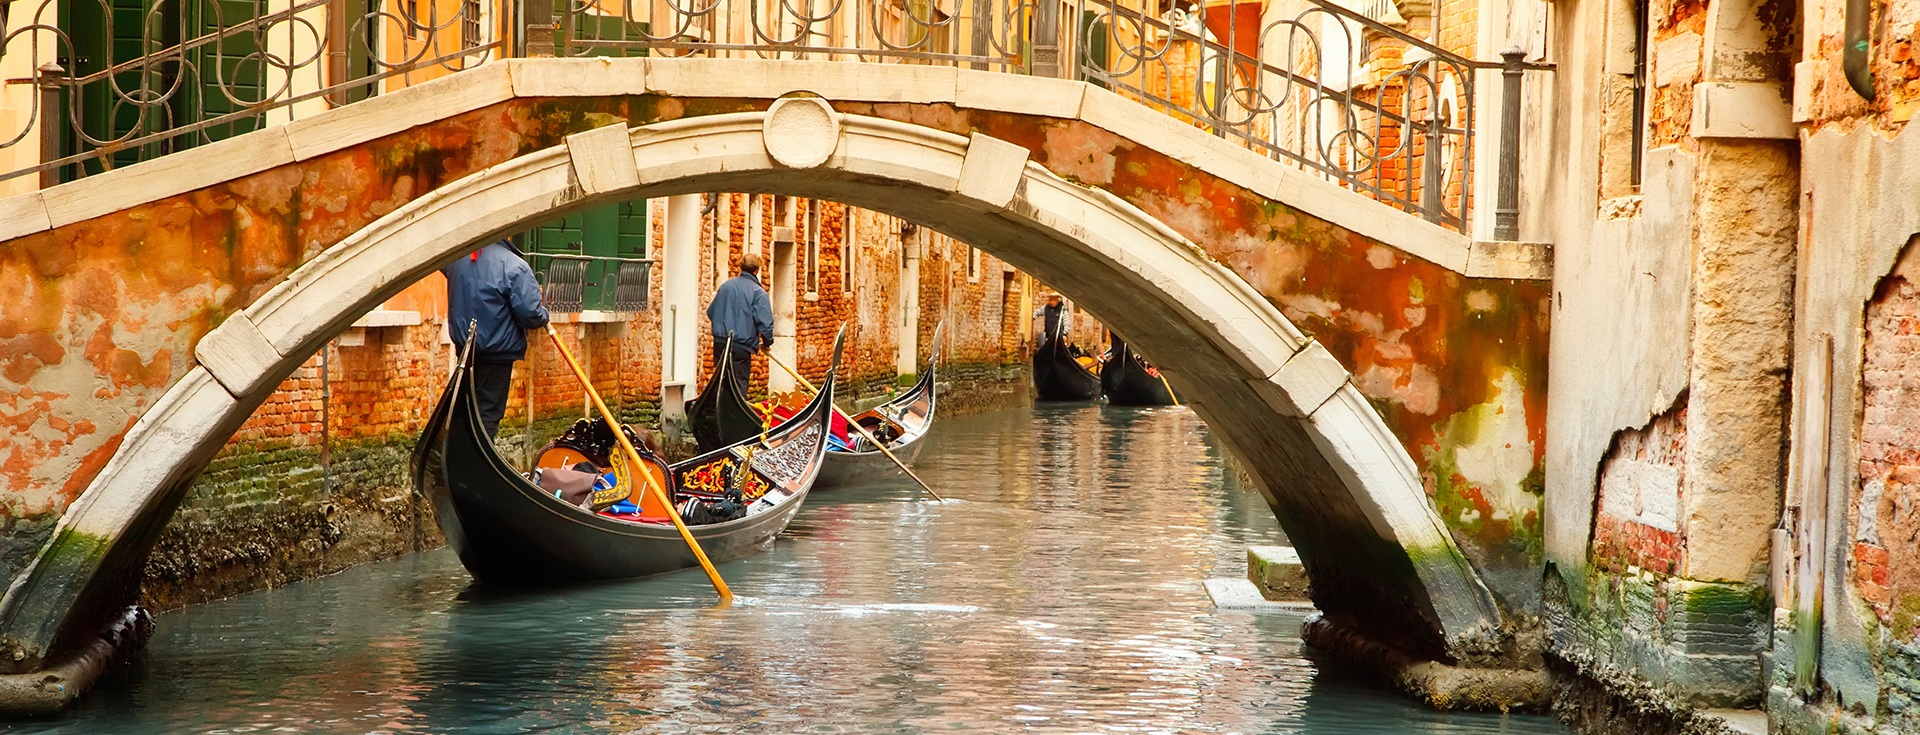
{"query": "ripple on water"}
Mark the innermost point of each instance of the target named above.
(1060, 592)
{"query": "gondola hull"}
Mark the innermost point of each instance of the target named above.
(1058, 377)
(509, 532)
(1126, 382)
(721, 415)
(846, 469)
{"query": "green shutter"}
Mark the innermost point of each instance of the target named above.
(1093, 32)
(232, 70)
(104, 112)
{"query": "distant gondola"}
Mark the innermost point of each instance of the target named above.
(1128, 380)
(721, 415)
(903, 423)
(508, 531)
(1059, 376)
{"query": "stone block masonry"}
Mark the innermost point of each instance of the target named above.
(316, 480)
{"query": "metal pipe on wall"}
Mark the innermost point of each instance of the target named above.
(1856, 57)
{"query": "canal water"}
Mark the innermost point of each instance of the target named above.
(1060, 592)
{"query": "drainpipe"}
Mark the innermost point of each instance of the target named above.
(1855, 56)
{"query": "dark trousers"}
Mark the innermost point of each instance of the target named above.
(492, 383)
(741, 368)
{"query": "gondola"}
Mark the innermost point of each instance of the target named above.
(509, 531)
(1128, 380)
(1059, 376)
(721, 415)
(903, 423)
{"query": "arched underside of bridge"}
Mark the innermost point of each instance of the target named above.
(281, 238)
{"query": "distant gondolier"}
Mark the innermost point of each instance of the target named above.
(741, 313)
(1054, 318)
(493, 288)
(1060, 370)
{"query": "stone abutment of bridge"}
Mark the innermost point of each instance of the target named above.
(1381, 379)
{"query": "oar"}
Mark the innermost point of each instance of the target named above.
(857, 427)
(1170, 393)
(640, 468)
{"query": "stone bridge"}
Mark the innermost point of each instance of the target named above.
(1381, 379)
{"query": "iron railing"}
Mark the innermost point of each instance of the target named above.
(1317, 84)
(575, 283)
(211, 69)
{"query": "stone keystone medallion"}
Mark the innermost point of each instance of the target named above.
(801, 132)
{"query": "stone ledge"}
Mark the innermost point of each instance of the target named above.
(1441, 686)
(388, 318)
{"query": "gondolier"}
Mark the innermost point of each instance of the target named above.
(493, 290)
(741, 317)
(1054, 318)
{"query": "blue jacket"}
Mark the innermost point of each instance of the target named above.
(494, 287)
(741, 307)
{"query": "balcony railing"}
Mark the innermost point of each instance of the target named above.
(575, 283)
(1343, 93)
(206, 71)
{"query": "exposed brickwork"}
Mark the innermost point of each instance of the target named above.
(1885, 560)
(1642, 494)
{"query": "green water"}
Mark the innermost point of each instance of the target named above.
(1061, 593)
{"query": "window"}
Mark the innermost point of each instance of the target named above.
(813, 246)
(848, 216)
(1640, 30)
(973, 264)
(1625, 103)
(585, 261)
(413, 19)
(469, 24)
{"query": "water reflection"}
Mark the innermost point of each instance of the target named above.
(1060, 594)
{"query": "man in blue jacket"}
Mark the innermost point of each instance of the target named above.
(494, 289)
(741, 309)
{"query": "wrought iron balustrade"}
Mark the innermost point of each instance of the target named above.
(573, 283)
(189, 72)
(1335, 91)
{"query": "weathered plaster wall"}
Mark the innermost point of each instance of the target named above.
(1672, 310)
(1851, 260)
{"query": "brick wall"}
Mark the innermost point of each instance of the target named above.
(1885, 561)
(316, 480)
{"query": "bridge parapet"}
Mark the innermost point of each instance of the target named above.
(1354, 97)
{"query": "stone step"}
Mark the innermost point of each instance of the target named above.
(1743, 721)
(1276, 572)
(1235, 594)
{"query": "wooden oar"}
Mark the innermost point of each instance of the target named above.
(1170, 393)
(857, 427)
(640, 468)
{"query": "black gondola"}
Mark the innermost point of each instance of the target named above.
(510, 532)
(1058, 376)
(903, 423)
(1128, 380)
(721, 415)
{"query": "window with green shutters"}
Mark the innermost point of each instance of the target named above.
(593, 261)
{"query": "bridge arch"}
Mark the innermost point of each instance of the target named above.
(1345, 488)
